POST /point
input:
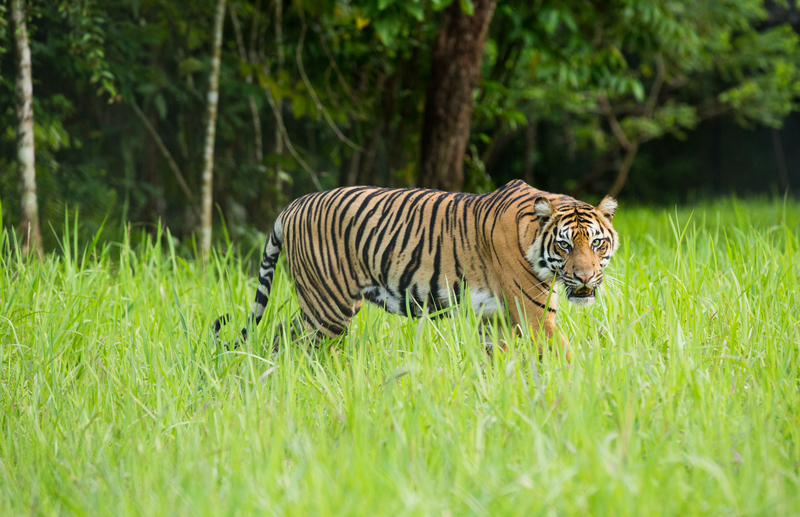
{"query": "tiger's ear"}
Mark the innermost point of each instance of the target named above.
(607, 207)
(543, 208)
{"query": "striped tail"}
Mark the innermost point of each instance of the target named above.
(272, 249)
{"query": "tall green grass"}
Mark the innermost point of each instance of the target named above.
(683, 396)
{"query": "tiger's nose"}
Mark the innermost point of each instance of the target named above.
(584, 277)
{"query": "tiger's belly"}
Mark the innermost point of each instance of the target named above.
(418, 300)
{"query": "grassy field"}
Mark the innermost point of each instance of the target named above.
(683, 397)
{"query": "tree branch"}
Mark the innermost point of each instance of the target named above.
(619, 133)
(631, 148)
(624, 170)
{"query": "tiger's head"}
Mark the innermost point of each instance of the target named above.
(575, 242)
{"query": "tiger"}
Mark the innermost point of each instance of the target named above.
(415, 251)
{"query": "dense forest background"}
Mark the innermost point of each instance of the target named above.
(656, 101)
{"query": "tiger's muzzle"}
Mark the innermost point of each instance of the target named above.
(580, 288)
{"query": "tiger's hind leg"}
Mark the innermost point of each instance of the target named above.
(324, 317)
(302, 330)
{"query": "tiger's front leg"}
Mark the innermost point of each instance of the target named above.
(538, 314)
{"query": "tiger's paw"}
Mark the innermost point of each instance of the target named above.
(565, 349)
(487, 342)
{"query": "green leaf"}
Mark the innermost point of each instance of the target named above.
(467, 7)
(285, 177)
(638, 89)
(161, 106)
(438, 5)
(415, 9)
(285, 162)
(550, 18)
(244, 68)
(569, 21)
(515, 117)
(387, 29)
(383, 4)
(189, 66)
(299, 106)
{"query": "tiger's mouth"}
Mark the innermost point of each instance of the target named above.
(581, 295)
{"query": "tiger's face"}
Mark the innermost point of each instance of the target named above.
(574, 244)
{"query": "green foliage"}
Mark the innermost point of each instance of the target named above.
(351, 91)
(87, 41)
(4, 36)
(664, 66)
(681, 399)
(765, 67)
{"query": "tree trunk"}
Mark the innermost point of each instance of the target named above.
(455, 72)
(29, 226)
(208, 149)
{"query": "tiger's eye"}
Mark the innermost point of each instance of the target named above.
(564, 245)
(597, 243)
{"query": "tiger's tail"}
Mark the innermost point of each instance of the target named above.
(272, 249)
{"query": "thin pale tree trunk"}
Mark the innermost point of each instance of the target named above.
(29, 226)
(208, 150)
(455, 72)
